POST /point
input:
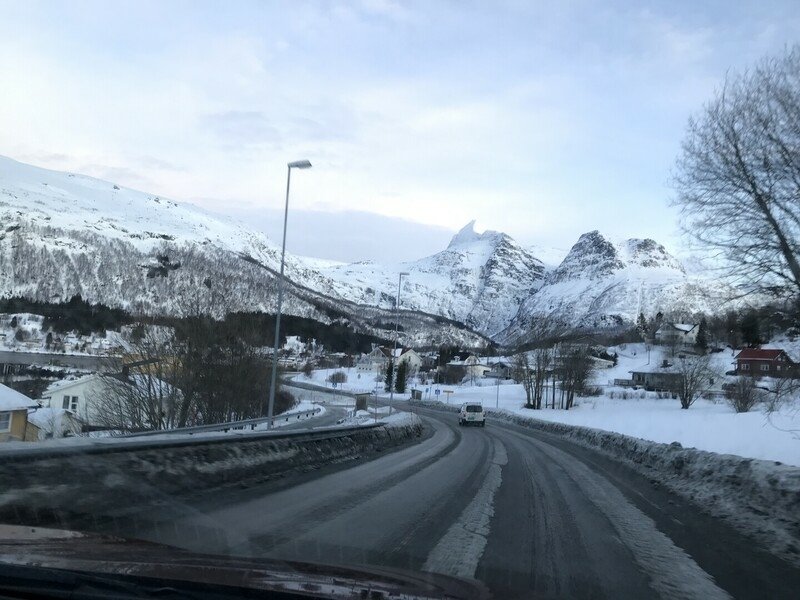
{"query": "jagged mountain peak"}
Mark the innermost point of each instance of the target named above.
(593, 256)
(648, 253)
(467, 235)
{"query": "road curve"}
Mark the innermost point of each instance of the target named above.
(527, 513)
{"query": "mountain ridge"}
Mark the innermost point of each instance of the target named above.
(65, 233)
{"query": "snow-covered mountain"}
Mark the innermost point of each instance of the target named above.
(479, 279)
(602, 285)
(63, 234)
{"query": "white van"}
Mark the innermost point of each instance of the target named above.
(472, 414)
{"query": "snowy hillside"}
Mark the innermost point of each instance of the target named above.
(64, 234)
(479, 279)
(601, 284)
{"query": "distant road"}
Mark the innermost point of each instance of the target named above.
(77, 361)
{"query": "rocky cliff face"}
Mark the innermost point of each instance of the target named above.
(479, 279)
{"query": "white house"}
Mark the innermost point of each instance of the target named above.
(80, 396)
(75, 395)
(680, 333)
(374, 362)
(471, 367)
(410, 357)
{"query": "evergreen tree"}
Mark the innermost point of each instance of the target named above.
(13, 322)
(308, 369)
(389, 376)
(751, 329)
(402, 376)
(641, 326)
(732, 328)
(702, 336)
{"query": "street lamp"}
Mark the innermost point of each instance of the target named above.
(298, 164)
(396, 310)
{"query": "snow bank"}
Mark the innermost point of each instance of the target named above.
(65, 482)
(760, 497)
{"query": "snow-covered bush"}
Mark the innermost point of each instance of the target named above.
(337, 377)
(743, 394)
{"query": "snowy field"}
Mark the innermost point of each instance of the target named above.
(365, 384)
(708, 425)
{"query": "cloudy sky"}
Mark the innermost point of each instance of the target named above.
(540, 119)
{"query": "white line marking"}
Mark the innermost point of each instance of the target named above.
(460, 549)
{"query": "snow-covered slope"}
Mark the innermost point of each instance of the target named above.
(63, 234)
(479, 280)
(601, 284)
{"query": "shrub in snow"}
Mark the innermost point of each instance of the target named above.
(743, 394)
(337, 377)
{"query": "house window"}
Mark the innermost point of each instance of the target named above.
(745, 367)
(777, 367)
(765, 367)
(65, 403)
(70, 403)
(5, 421)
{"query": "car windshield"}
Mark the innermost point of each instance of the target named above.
(402, 298)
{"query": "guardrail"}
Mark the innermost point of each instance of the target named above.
(252, 423)
(83, 446)
(315, 387)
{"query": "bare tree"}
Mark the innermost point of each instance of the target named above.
(138, 395)
(542, 362)
(695, 377)
(575, 370)
(781, 390)
(743, 394)
(523, 373)
(738, 177)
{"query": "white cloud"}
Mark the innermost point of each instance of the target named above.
(544, 121)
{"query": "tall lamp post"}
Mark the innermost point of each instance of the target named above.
(396, 310)
(298, 164)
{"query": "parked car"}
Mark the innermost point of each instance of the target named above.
(472, 414)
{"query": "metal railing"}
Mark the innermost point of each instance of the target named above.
(225, 427)
(89, 446)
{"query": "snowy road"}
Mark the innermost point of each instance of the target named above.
(528, 514)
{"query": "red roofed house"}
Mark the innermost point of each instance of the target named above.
(764, 361)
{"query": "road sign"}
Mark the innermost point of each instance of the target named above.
(437, 391)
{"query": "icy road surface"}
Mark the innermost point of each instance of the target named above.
(527, 513)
